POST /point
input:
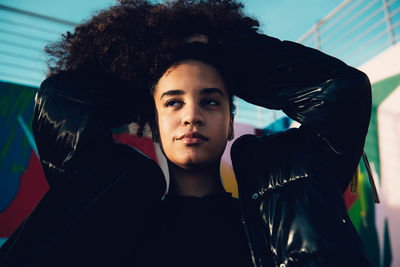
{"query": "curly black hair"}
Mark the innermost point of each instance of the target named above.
(137, 41)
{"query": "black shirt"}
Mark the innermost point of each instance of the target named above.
(192, 231)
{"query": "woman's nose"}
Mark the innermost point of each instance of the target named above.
(193, 115)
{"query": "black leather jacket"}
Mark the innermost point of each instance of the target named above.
(290, 184)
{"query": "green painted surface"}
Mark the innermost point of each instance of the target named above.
(5, 102)
(15, 100)
(380, 91)
(356, 210)
(17, 168)
(365, 224)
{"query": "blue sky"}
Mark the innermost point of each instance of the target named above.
(289, 19)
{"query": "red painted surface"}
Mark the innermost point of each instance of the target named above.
(349, 198)
(143, 144)
(33, 186)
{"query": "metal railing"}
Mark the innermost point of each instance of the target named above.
(356, 30)
(23, 36)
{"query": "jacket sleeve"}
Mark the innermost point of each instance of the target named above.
(291, 183)
(322, 93)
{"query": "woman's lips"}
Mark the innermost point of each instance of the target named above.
(192, 141)
(193, 138)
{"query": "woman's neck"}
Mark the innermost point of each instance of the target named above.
(197, 183)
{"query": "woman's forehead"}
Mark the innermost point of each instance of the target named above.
(191, 76)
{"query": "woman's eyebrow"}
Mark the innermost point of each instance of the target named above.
(207, 91)
(172, 92)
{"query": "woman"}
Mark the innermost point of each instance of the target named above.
(104, 205)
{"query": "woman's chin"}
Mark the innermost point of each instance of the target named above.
(195, 164)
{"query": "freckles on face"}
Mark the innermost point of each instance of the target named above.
(193, 114)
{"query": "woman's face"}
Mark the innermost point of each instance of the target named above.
(193, 114)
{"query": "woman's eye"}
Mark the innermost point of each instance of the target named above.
(211, 102)
(173, 103)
